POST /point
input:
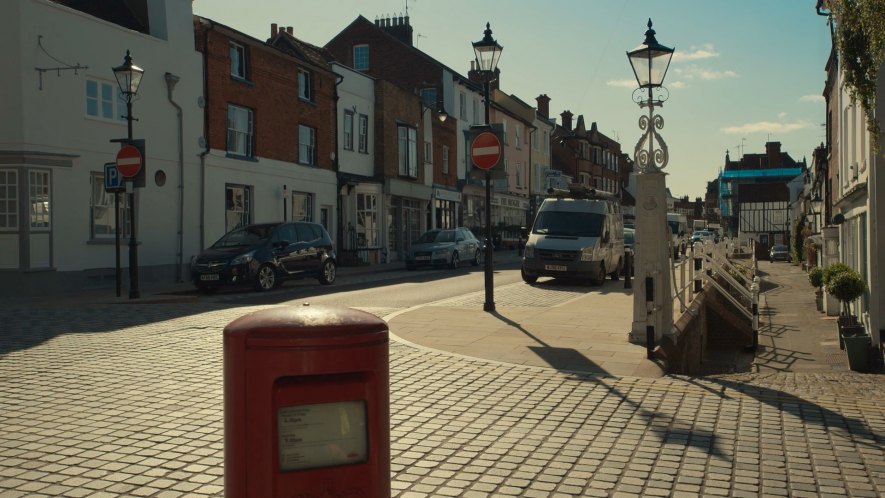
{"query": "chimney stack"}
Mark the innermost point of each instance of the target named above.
(273, 29)
(567, 120)
(773, 151)
(398, 27)
(290, 30)
(543, 105)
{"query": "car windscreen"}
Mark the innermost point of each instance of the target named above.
(436, 236)
(245, 236)
(568, 224)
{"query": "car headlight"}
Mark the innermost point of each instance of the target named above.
(243, 259)
(529, 252)
(587, 254)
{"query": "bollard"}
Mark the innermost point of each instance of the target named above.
(628, 270)
(306, 404)
(698, 268)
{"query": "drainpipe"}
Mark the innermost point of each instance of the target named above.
(171, 80)
(205, 152)
(336, 164)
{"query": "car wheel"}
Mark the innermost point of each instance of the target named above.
(476, 257)
(455, 260)
(617, 273)
(529, 279)
(266, 278)
(327, 272)
(600, 275)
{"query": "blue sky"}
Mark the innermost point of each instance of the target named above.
(743, 72)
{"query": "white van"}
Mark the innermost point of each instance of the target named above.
(678, 224)
(577, 233)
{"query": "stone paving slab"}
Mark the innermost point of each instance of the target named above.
(127, 401)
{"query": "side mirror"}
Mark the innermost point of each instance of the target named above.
(606, 237)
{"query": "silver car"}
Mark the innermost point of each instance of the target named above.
(444, 247)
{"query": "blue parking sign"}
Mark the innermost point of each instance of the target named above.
(113, 180)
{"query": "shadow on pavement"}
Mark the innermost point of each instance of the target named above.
(562, 359)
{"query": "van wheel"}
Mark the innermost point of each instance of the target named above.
(620, 268)
(529, 279)
(600, 275)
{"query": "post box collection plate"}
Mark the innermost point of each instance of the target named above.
(322, 435)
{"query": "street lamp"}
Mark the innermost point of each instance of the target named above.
(650, 62)
(652, 299)
(488, 51)
(128, 77)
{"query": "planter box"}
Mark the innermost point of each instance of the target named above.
(850, 331)
(858, 349)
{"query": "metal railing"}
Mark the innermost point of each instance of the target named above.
(709, 262)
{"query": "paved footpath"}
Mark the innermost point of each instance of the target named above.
(111, 400)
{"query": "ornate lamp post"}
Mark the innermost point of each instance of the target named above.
(652, 299)
(128, 77)
(488, 51)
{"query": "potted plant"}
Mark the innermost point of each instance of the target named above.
(847, 286)
(829, 272)
(816, 279)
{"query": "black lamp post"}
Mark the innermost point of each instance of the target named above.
(487, 53)
(128, 78)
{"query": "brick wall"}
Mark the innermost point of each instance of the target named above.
(271, 92)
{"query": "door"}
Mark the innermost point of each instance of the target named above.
(284, 245)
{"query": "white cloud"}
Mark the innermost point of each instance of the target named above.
(782, 115)
(695, 72)
(677, 84)
(766, 127)
(812, 98)
(622, 83)
(706, 51)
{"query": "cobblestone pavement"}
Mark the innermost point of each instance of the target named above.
(117, 400)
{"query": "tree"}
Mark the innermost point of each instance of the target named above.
(860, 44)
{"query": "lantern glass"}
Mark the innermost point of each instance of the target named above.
(128, 76)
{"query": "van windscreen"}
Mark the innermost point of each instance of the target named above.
(568, 224)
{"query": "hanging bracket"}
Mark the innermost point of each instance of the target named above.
(58, 69)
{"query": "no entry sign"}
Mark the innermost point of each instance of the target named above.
(129, 161)
(485, 152)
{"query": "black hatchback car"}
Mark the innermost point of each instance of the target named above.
(264, 255)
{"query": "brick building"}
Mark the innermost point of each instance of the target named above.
(269, 129)
(755, 194)
(418, 164)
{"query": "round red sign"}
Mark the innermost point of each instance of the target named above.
(485, 152)
(128, 161)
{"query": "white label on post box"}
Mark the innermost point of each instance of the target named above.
(322, 435)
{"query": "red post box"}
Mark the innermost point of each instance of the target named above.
(306, 404)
